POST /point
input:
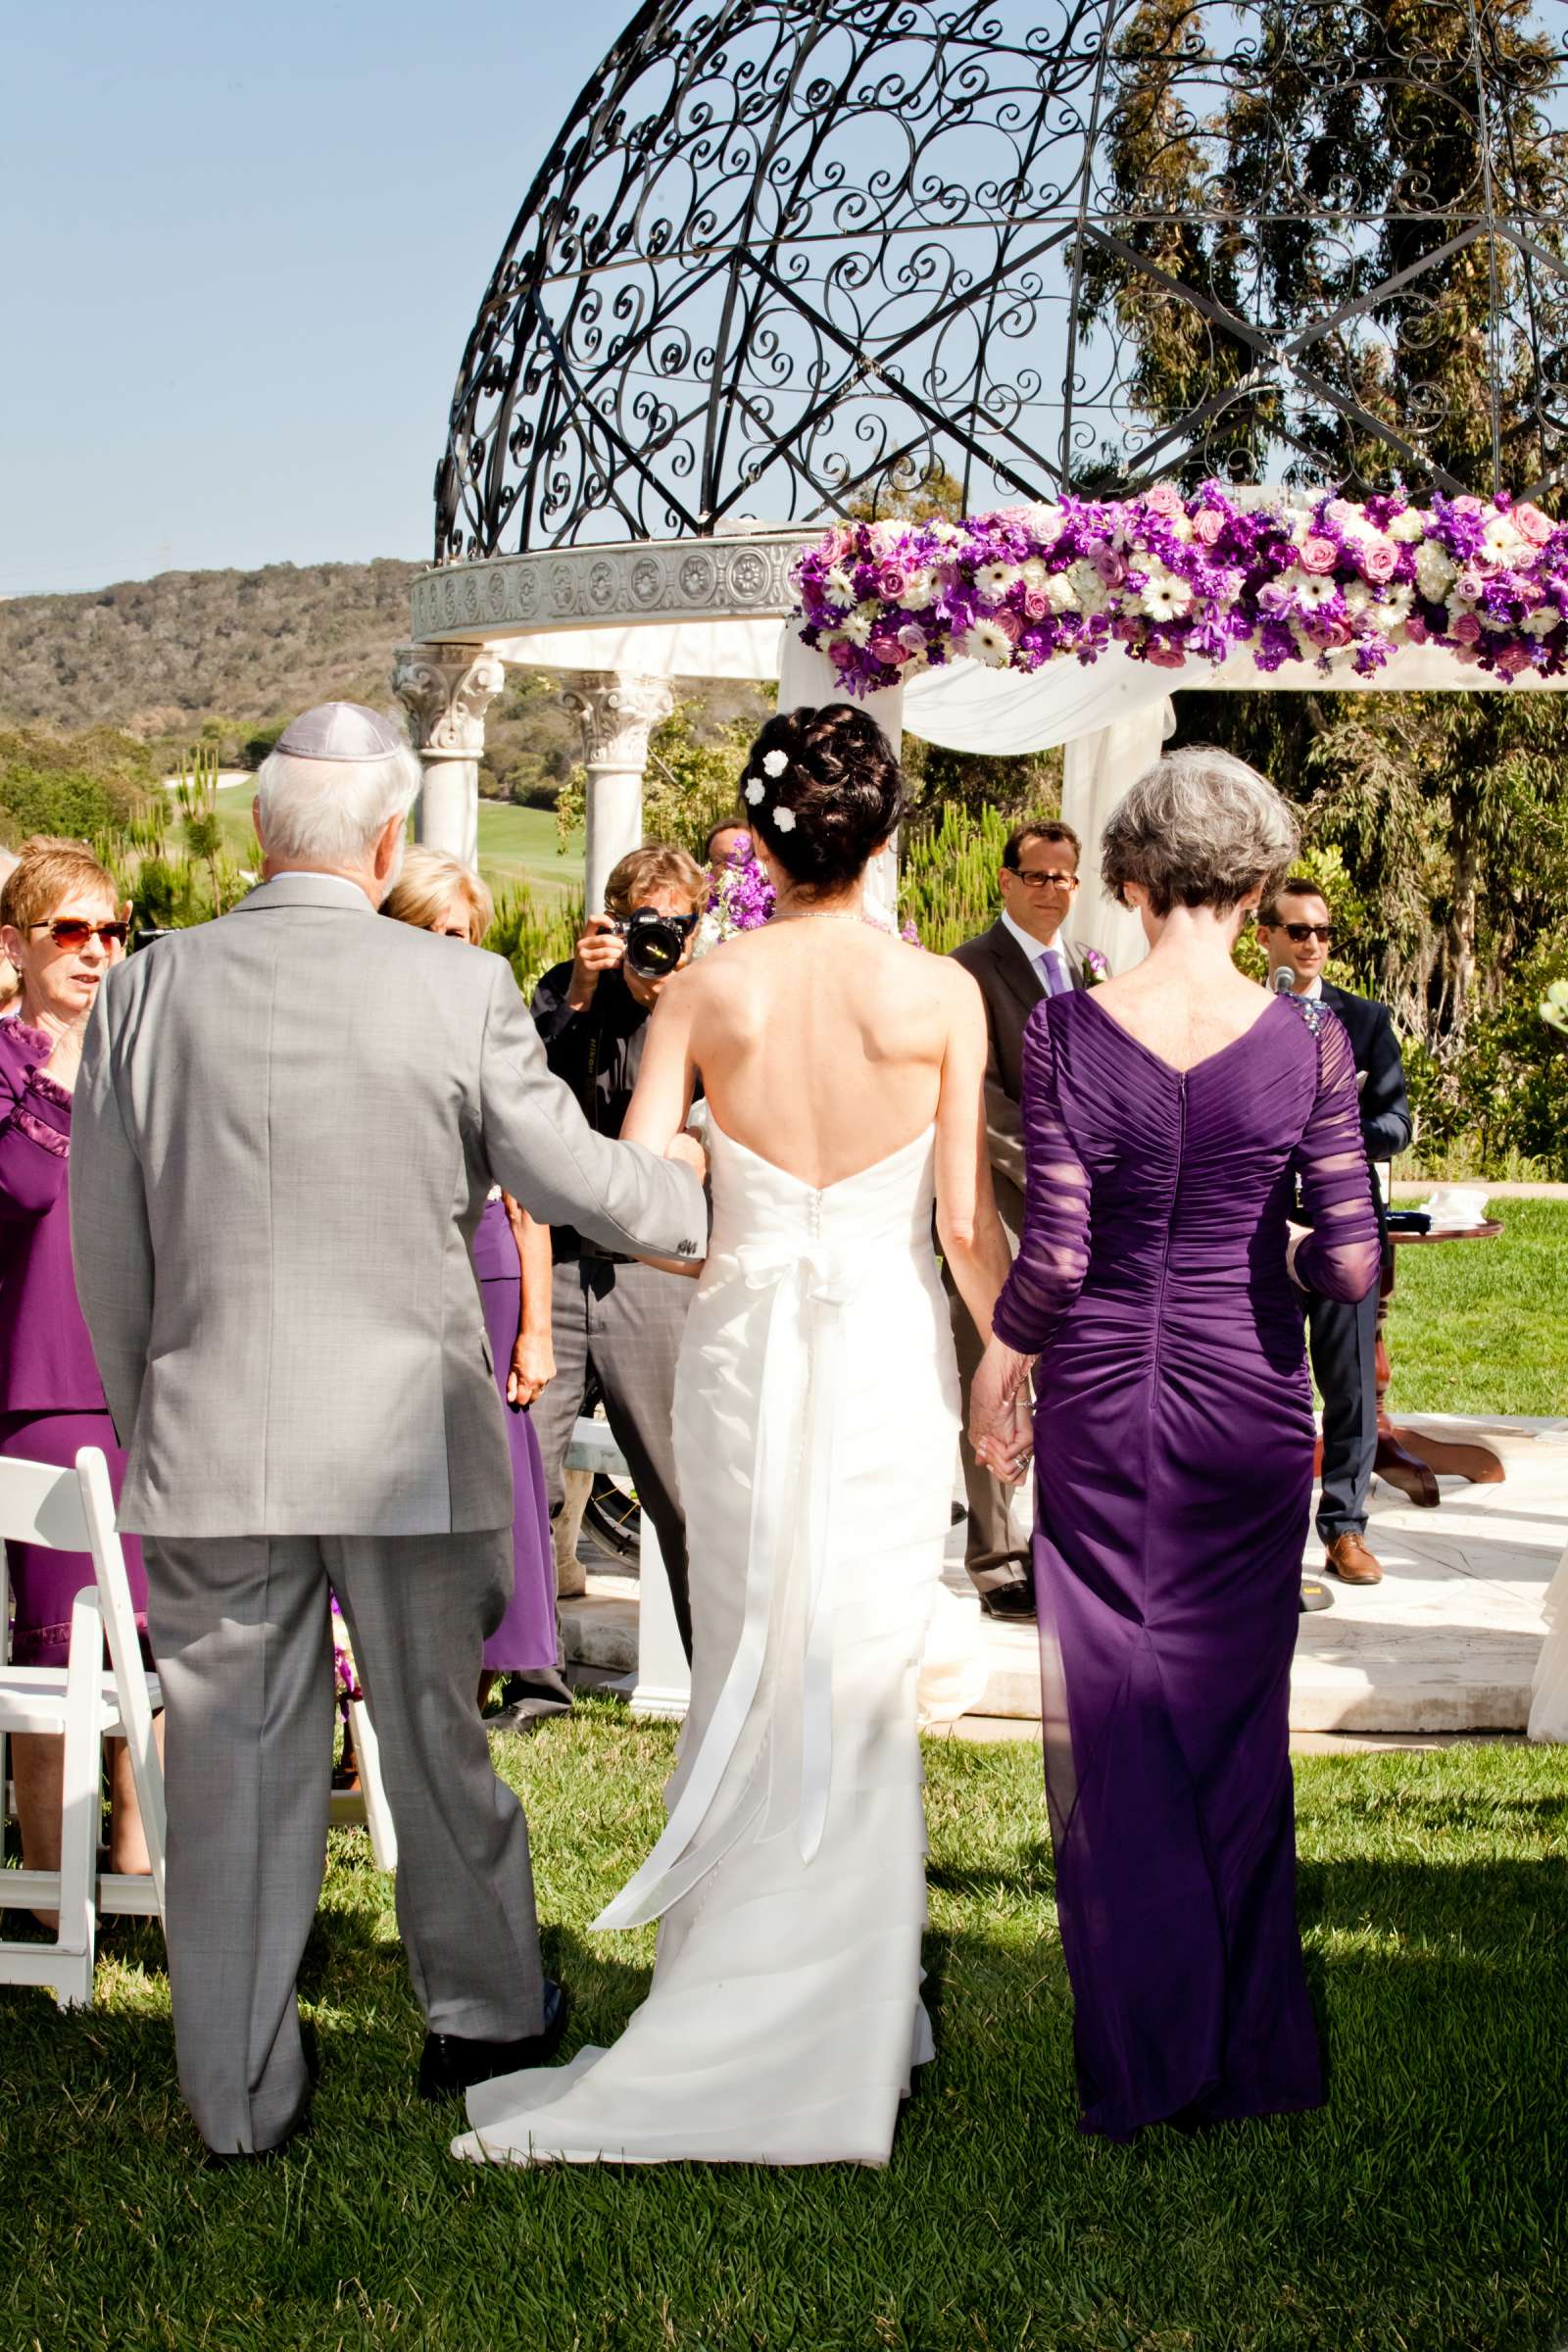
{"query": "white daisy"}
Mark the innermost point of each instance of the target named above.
(1542, 622)
(756, 791)
(775, 764)
(839, 585)
(994, 580)
(986, 643)
(1394, 612)
(1167, 597)
(858, 627)
(784, 819)
(1501, 542)
(1357, 597)
(1312, 588)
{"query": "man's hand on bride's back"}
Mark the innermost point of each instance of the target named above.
(689, 1152)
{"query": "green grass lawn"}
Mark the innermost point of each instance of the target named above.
(1482, 1327)
(516, 845)
(1423, 2210)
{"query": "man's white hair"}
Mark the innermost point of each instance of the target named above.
(330, 811)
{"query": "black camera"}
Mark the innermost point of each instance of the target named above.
(654, 942)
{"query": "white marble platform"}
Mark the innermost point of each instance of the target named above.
(1446, 1643)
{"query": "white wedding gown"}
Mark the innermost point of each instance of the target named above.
(816, 1414)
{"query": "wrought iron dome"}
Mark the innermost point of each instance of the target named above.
(789, 257)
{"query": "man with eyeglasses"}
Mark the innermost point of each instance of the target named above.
(1022, 957)
(1296, 933)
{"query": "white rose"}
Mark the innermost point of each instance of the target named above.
(1406, 528)
(917, 591)
(1059, 589)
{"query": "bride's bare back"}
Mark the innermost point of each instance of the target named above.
(821, 1042)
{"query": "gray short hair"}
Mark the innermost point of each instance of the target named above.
(332, 809)
(1200, 828)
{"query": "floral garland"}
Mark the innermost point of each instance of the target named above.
(1174, 579)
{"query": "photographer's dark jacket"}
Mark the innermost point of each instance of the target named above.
(598, 1051)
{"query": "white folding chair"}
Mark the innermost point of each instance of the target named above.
(73, 1510)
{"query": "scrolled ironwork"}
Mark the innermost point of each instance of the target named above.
(789, 256)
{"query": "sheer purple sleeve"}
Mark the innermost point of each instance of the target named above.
(1341, 1256)
(1054, 1252)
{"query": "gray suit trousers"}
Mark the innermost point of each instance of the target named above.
(625, 1323)
(241, 1630)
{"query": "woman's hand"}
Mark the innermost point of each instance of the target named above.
(533, 1368)
(1008, 1446)
(996, 1401)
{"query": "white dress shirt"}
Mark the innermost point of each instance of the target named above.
(1043, 958)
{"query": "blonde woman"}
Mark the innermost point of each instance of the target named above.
(512, 1260)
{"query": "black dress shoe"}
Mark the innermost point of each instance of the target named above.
(1314, 1596)
(1015, 1604)
(452, 2063)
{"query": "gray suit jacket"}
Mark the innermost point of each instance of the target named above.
(283, 1134)
(1012, 989)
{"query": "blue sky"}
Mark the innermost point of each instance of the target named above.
(243, 248)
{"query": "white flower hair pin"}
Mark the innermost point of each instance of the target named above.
(784, 819)
(754, 790)
(776, 765)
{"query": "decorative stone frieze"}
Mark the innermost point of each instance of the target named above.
(664, 580)
(446, 690)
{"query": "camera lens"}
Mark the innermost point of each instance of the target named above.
(654, 944)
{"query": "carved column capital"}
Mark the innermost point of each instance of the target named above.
(617, 711)
(446, 690)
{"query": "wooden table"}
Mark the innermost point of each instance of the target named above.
(1406, 1457)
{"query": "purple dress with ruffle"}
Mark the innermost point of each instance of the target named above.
(50, 1399)
(1173, 1435)
(526, 1639)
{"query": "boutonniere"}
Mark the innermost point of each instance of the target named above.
(1095, 969)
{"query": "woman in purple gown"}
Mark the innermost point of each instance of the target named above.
(511, 1262)
(62, 929)
(1172, 1117)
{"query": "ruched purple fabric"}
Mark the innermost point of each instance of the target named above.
(1174, 1436)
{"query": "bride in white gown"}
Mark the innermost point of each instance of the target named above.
(815, 1426)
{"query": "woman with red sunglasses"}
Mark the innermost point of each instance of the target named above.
(61, 928)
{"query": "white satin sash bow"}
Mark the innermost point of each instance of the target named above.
(809, 1288)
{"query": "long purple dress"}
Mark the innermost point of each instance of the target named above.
(1173, 1437)
(526, 1639)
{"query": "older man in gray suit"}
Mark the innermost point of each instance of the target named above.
(286, 1129)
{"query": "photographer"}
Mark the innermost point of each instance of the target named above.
(613, 1317)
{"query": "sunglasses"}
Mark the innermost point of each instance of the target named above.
(72, 932)
(1302, 932)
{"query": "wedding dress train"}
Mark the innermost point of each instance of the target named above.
(816, 1427)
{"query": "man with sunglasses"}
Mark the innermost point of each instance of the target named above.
(1022, 957)
(613, 1320)
(1296, 933)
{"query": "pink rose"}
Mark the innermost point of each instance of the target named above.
(1166, 499)
(891, 584)
(1317, 555)
(1207, 524)
(1465, 630)
(1532, 524)
(1036, 606)
(1469, 584)
(885, 646)
(1415, 628)
(1111, 564)
(1512, 659)
(1379, 559)
(1008, 621)
(1166, 656)
(1468, 505)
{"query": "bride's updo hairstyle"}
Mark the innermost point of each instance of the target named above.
(822, 789)
(1200, 828)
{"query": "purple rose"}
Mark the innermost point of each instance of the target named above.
(1465, 630)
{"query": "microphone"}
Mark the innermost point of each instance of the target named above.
(1284, 981)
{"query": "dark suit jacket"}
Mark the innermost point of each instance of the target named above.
(1012, 989)
(1385, 1126)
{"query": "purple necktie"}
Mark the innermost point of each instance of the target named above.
(1056, 980)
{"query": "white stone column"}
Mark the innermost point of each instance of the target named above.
(807, 679)
(617, 711)
(1096, 770)
(446, 690)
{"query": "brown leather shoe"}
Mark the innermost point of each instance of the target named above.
(1349, 1558)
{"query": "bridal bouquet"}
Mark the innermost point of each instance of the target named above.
(742, 898)
(1285, 577)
